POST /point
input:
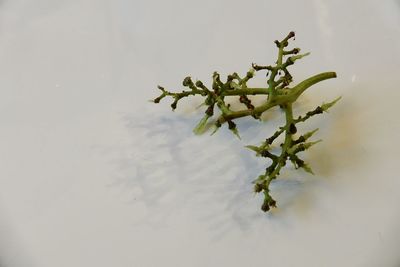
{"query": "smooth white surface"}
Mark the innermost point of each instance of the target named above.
(91, 174)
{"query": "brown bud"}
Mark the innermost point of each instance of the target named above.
(318, 110)
(265, 207)
(210, 110)
(199, 84)
(292, 128)
(187, 81)
(299, 162)
(272, 203)
(258, 188)
(231, 125)
(173, 105)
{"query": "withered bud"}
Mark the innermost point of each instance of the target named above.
(265, 206)
(299, 162)
(210, 110)
(231, 125)
(187, 81)
(199, 84)
(173, 105)
(292, 128)
(318, 110)
(272, 203)
(258, 188)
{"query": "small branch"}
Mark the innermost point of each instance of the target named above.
(278, 93)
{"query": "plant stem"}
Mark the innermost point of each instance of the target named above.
(275, 100)
(247, 91)
(287, 143)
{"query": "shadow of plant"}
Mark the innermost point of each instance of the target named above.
(170, 170)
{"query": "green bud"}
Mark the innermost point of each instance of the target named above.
(250, 73)
(307, 168)
(201, 126)
(199, 84)
(326, 106)
(254, 148)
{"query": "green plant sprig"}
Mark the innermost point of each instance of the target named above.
(277, 93)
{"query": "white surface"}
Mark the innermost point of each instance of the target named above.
(91, 174)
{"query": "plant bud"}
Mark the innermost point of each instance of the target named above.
(318, 110)
(231, 125)
(187, 81)
(210, 110)
(299, 162)
(265, 207)
(250, 73)
(272, 203)
(292, 128)
(173, 105)
(258, 188)
(199, 84)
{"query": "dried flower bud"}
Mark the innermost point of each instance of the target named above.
(292, 128)
(299, 162)
(318, 110)
(173, 105)
(187, 81)
(199, 84)
(272, 203)
(210, 110)
(265, 207)
(258, 188)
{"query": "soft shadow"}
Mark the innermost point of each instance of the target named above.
(343, 138)
(171, 171)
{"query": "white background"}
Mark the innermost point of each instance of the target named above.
(92, 174)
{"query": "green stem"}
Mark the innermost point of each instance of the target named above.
(304, 85)
(286, 145)
(247, 91)
(275, 100)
